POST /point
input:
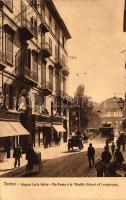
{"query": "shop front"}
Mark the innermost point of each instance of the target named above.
(58, 133)
(11, 134)
(42, 130)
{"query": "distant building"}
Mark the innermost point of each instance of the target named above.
(111, 112)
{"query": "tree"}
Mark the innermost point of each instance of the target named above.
(87, 115)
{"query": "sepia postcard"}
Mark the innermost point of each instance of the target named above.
(62, 99)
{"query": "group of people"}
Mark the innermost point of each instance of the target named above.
(108, 163)
(31, 156)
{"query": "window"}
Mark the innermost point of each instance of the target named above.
(50, 45)
(56, 30)
(37, 103)
(35, 64)
(34, 25)
(63, 40)
(43, 75)
(8, 92)
(56, 53)
(64, 85)
(63, 60)
(43, 8)
(51, 77)
(57, 82)
(9, 4)
(9, 48)
(50, 21)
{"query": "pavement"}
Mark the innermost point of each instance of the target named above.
(7, 167)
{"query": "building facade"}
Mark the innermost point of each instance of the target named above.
(34, 69)
(110, 112)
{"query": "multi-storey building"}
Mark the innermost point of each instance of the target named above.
(33, 71)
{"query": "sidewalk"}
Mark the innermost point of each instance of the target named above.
(46, 153)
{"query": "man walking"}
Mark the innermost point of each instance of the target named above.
(106, 157)
(17, 155)
(118, 157)
(91, 154)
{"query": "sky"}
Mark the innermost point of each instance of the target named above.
(96, 27)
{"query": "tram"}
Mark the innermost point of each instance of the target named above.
(107, 130)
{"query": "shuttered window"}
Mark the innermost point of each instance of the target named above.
(51, 77)
(35, 63)
(9, 48)
(50, 44)
(56, 53)
(34, 25)
(43, 75)
(50, 21)
(8, 92)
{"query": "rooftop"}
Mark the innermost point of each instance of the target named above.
(52, 7)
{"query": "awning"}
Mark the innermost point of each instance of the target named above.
(19, 128)
(6, 130)
(59, 128)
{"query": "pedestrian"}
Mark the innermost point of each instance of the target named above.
(123, 142)
(78, 133)
(17, 155)
(113, 148)
(106, 157)
(118, 143)
(99, 167)
(91, 154)
(118, 157)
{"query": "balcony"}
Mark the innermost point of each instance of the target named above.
(47, 88)
(26, 30)
(66, 70)
(43, 27)
(27, 75)
(68, 98)
(58, 63)
(3, 63)
(46, 50)
(2, 3)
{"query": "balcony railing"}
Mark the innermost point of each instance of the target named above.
(59, 62)
(3, 62)
(26, 30)
(26, 23)
(31, 74)
(46, 50)
(47, 85)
